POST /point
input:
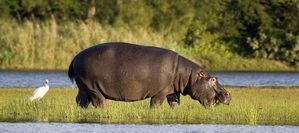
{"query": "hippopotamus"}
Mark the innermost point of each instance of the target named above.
(130, 72)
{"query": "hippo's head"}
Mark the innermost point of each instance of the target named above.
(207, 90)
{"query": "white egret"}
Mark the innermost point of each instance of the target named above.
(41, 91)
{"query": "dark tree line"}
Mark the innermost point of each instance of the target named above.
(258, 28)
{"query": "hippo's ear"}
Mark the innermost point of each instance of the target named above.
(202, 74)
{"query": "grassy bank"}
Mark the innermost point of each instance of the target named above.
(51, 46)
(248, 106)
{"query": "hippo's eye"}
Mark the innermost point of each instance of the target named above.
(212, 80)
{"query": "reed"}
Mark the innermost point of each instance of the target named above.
(50, 45)
(248, 106)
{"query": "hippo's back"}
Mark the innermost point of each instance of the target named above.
(123, 71)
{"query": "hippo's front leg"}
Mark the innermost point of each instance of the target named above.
(158, 99)
(173, 99)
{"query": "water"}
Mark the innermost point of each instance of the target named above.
(60, 79)
(33, 79)
(259, 78)
(131, 128)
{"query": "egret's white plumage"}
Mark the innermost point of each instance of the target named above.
(41, 91)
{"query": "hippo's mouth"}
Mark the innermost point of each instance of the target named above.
(210, 103)
(216, 101)
(221, 98)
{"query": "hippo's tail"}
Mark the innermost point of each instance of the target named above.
(71, 72)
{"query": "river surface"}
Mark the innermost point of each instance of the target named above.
(60, 79)
(131, 128)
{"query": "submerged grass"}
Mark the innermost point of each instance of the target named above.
(248, 106)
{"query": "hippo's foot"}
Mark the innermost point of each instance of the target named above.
(102, 106)
(83, 100)
(173, 104)
(83, 103)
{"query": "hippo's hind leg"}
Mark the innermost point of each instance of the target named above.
(89, 94)
(83, 98)
(173, 99)
(97, 98)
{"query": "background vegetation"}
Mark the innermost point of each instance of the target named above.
(248, 106)
(220, 34)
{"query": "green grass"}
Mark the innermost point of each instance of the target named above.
(248, 106)
(34, 45)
